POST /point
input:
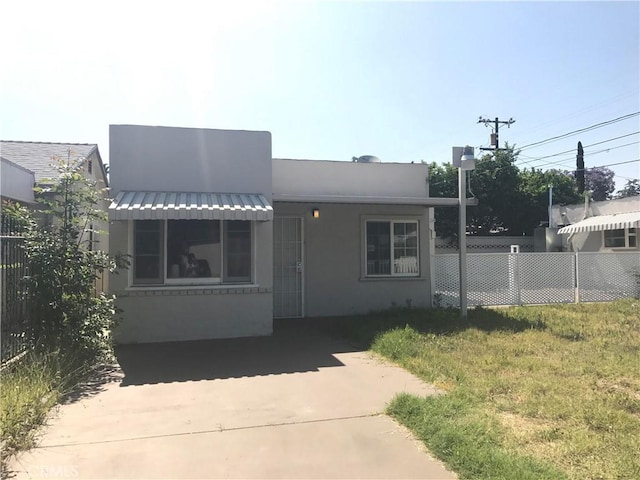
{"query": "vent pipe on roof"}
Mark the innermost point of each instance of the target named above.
(367, 159)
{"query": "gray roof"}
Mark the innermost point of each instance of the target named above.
(39, 156)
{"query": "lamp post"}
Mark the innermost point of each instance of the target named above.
(467, 163)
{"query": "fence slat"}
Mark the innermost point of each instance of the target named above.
(13, 306)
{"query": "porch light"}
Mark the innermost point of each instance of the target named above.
(316, 213)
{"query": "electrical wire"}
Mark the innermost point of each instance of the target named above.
(618, 163)
(586, 168)
(569, 159)
(573, 149)
(568, 134)
(582, 111)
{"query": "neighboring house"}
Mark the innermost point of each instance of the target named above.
(224, 238)
(16, 183)
(610, 225)
(37, 161)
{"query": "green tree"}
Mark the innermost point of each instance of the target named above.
(630, 189)
(600, 181)
(66, 312)
(510, 201)
(443, 182)
(534, 188)
(495, 183)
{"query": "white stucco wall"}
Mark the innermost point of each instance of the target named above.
(192, 160)
(585, 242)
(17, 182)
(568, 214)
(329, 178)
(176, 313)
(189, 160)
(334, 278)
(591, 241)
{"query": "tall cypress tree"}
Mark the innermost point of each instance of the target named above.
(580, 169)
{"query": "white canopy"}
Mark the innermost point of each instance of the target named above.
(604, 222)
(190, 206)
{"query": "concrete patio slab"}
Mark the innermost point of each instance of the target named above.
(299, 404)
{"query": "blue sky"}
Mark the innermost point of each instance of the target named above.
(330, 80)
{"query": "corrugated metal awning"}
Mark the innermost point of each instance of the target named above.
(604, 222)
(190, 206)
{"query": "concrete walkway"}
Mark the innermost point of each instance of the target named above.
(296, 405)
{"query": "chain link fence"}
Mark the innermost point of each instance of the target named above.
(537, 278)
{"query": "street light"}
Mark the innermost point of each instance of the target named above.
(467, 163)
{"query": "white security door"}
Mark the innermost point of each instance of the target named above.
(287, 267)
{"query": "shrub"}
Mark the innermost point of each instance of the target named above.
(66, 313)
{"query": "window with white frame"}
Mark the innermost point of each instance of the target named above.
(391, 248)
(191, 252)
(620, 238)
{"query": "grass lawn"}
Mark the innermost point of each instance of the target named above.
(30, 387)
(531, 392)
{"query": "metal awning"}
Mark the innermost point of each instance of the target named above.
(190, 206)
(604, 222)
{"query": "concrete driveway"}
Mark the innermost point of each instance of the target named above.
(299, 404)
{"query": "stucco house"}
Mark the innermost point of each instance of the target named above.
(224, 238)
(606, 226)
(39, 158)
(29, 164)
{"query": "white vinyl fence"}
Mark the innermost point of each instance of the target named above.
(537, 278)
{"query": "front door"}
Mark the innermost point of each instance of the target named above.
(287, 267)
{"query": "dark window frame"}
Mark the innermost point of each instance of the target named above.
(231, 272)
(384, 235)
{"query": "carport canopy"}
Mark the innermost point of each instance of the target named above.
(604, 222)
(130, 205)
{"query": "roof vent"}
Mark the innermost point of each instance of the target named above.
(367, 159)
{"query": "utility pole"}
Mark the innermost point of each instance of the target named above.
(495, 145)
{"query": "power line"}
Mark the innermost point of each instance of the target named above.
(591, 127)
(608, 165)
(615, 175)
(582, 111)
(618, 163)
(588, 168)
(563, 161)
(586, 146)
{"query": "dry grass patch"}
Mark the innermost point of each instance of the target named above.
(560, 384)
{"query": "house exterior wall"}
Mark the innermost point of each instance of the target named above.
(189, 160)
(17, 183)
(176, 313)
(591, 241)
(352, 179)
(334, 275)
(192, 160)
(568, 214)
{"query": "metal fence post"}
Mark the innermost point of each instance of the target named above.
(576, 277)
